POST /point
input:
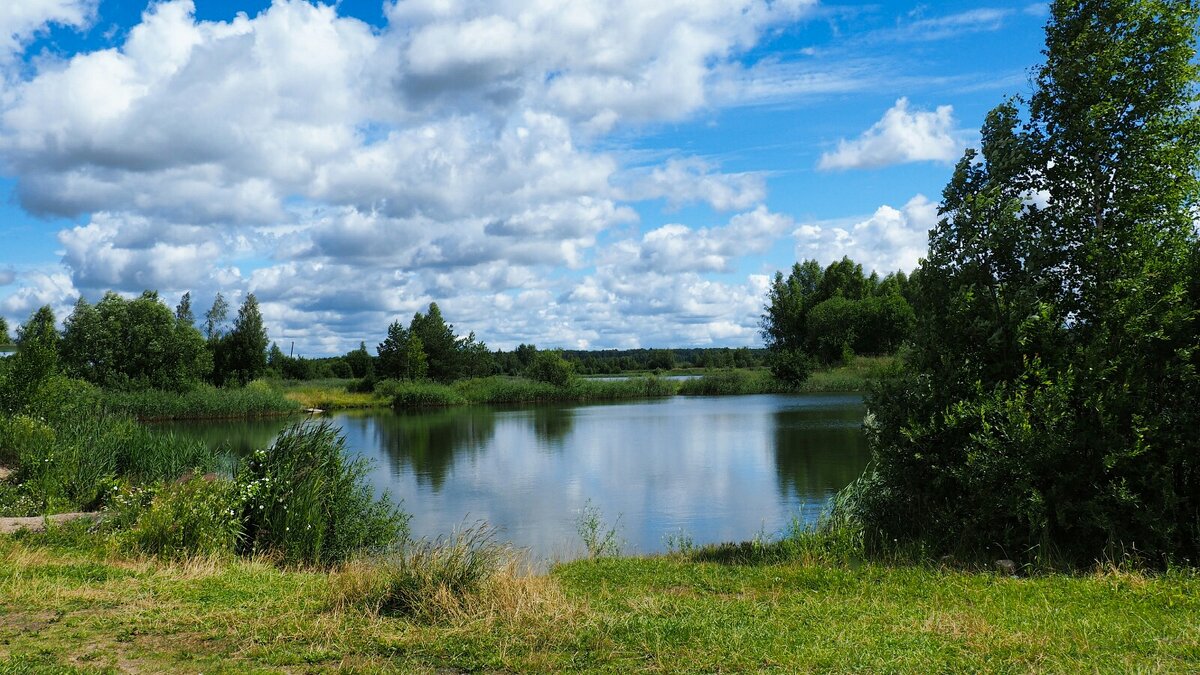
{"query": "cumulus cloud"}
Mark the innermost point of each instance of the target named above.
(900, 137)
(891, 239)
(41, 288)
(21, 19)
(689, 180)
(678, 248)
(349, 175)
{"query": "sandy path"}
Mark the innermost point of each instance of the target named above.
(38, 523)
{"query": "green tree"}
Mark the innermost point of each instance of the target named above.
(391, 352)
(1053, 390)
(415, 364)
(360, 361)
(550, 367)
(440, 344)
(183, 311)
(215, 318)
(242, 354)
(36, 360)
(5, 338)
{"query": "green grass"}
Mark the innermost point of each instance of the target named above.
(258, 399)
(66, 603)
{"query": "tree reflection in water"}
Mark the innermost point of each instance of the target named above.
(818, 450)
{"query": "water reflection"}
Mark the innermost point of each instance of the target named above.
(429, 442)
(716, 468)
(818, 449)
(240, 436)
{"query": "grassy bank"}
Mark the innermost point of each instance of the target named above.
(69, 603)
(257, 399)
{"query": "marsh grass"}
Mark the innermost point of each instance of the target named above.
(76, 464)
(732, 383)
(428, 580)
(306, 502)
(257, 399)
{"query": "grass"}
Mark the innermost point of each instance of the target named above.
(68, 604)
(257, 399)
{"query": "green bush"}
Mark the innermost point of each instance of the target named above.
(306, 502)
(550, 367)
(199, 516)
(418, 393)
(791, 366)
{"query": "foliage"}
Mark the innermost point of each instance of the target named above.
(133, 344)
(1053, 390)
(5, 338)
(599, 538)
(732, 383)
(791, 366)
(241, 355)
(306, 501)
(36, 360)
(197, 515)
(402, 354)
(360, 362)
(550, 367)
(834, 312)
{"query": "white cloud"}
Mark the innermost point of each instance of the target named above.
(20, 20)
(350, 175)
(900, 137)
(890, 240)
(690, 180)
(678, 248)
(40, 288)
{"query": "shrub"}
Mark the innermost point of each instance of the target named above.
(199, 516)
(551, 368)
(22, 435)
(791, 366)
(306, 502)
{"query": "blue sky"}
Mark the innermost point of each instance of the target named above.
(577, 174)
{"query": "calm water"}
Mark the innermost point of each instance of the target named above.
(717, 469)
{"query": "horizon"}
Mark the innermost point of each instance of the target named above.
(608, 176)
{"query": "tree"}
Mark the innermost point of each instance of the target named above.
(241, 356)
(1053, 387)
(391, 352)
(439, 342)
(550, 367)
(415, 366)
(5, 338)
(215, 318)
(833, 312)
(36, 360)
(360, 362)
(183, 311)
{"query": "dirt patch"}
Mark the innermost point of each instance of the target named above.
(38, 523)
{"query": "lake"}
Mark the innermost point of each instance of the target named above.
(712, 469)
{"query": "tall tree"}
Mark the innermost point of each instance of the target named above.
(36, 360)
(183, 311)
(1054, 384)
(439, 342)
(215, 318)
(242, 354)
(5, 338)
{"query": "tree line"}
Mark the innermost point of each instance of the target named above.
(139, 343)
(818, 315)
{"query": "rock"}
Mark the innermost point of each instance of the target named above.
(1007, 567)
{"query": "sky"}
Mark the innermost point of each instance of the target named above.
(583, 174)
